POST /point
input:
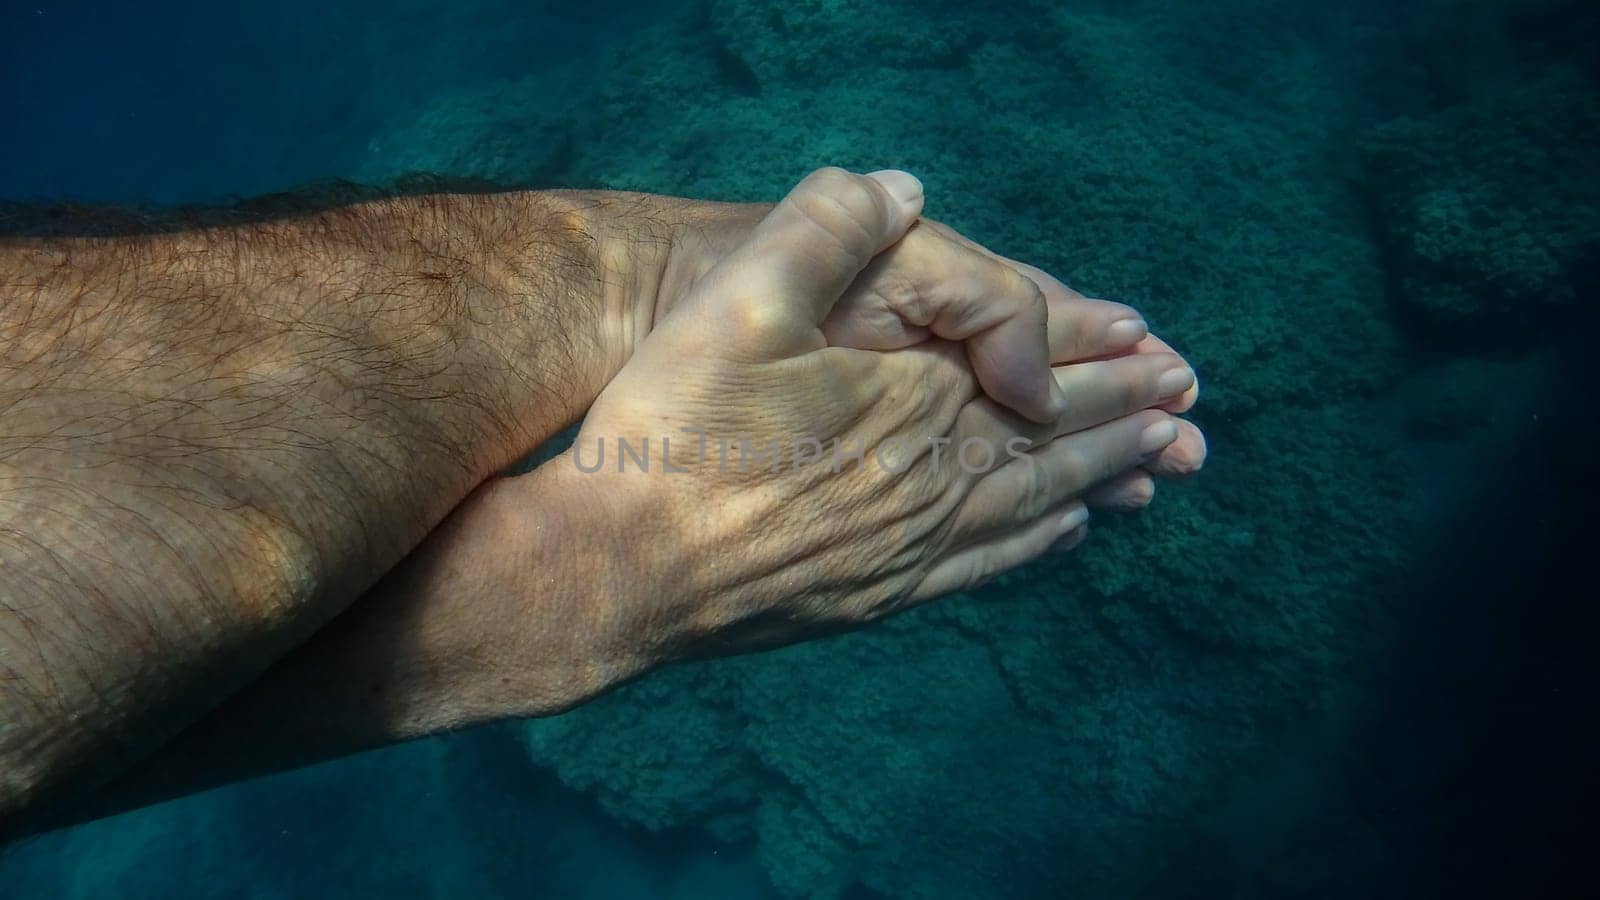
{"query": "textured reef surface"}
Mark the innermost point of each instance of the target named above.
(1366, 228)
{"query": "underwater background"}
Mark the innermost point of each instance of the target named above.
(1351, 659)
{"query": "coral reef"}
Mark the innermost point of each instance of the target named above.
(1490, 210)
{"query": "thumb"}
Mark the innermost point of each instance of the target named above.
(813, 244)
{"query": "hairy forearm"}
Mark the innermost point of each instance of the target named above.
(211, 440)
(510, 609)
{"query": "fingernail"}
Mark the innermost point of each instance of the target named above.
(902, 186)
(1175, 381)
(1126, 332)
(1158, 437)
(1076, 516)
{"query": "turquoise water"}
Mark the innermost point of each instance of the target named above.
(1350, 660)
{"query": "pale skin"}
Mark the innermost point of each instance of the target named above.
(275, 419)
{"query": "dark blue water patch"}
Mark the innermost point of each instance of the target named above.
(184, 100)
(460, 815)
(1469, 771)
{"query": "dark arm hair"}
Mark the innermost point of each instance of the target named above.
(218, 427)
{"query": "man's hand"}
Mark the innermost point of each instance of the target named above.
(932, 283)
(741, 555)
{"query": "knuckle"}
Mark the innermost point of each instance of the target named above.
(891, 287)
(910, 304)
(757, 314)
(844, 206)
(1135, 392)
(827, 177)
(1038, 493)
(1075, 470)
(1030, 298)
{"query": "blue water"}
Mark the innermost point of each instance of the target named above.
(186, 101)
(1350, 660)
